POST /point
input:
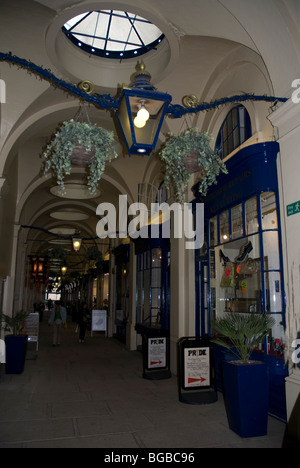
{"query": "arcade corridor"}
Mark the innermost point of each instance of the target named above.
(92, 395)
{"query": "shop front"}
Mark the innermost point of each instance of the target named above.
(240, 268)
(122, 267)
(152, 284)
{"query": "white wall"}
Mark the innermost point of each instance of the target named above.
(286, 119)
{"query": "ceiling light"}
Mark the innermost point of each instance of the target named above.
(143, 114)
(137, 135)
(76, 241)
(139, 123)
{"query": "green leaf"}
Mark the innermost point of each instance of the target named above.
(242, 333)
(93, 139)
(177, 148)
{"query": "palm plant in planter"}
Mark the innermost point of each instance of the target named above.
(80, 143)
(246, 387)
(15, 343)
(189, 153)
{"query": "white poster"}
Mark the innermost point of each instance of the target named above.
(196, 367)
(99, 320)
(157, 349)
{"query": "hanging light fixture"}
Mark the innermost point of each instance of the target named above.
(38, 268)
(76, 241)
(141, 113)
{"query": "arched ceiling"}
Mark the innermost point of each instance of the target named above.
(212, 47)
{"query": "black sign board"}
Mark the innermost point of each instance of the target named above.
(196, 371)
(156, 355)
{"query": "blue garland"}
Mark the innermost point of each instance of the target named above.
(178, 111)
(105, 101)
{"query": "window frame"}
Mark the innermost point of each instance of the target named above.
(235, 130)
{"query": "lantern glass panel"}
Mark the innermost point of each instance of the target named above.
(123, 117)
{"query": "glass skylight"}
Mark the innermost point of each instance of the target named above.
(113, 34)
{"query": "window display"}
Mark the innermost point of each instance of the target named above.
(149, 288)
(244, 260)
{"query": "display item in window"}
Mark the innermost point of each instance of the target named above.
(224, 258)
(228, 278)
(246, 249)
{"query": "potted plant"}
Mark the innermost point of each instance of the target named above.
(245, 381)
(189, 153)
(15, 343)
(81, 143)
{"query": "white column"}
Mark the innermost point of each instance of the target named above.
(8, 296)
(131, 335)
(286, 119)
(182, 296)
(112, 297)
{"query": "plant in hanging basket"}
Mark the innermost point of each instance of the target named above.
(93, 256)
(189, 153)
(59, 254)
(79, 143)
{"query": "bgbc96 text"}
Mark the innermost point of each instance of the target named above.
(171, 457)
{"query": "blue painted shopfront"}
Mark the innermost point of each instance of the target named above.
(242, 219)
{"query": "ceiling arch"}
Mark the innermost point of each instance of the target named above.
(209, 52)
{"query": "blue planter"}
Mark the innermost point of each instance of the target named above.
(246, 397)
(15, 353)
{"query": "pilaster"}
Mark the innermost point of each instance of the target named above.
(286, 120)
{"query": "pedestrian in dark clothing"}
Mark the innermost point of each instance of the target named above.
(82, 321)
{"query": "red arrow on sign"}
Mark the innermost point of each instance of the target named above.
(152, 363)
(190, 380)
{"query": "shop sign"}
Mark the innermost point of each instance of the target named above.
(196, 367)
(157, 350)
(99, 320)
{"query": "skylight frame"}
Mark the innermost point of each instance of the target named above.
(129, 48)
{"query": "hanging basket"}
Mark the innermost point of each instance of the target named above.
(191, 164)
(80, 156)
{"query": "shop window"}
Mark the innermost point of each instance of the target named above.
(251, 216)
(224, 227)
(149, 288)
(236, 129)
(213, 231)
(237, 222)
(245, 272)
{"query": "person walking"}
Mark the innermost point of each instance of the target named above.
(82, 321)
(58, 316)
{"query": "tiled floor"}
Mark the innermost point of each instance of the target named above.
(93, 395)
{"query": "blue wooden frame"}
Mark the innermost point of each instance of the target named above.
(247, 128)
(251, 171)
(143, 246)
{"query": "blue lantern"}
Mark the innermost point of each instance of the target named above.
(141, 113)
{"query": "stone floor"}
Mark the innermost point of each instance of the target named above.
(92, 395)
